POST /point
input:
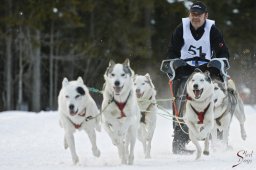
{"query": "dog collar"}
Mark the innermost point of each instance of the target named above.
(200, 115)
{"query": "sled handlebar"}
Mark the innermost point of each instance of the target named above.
(196, 59)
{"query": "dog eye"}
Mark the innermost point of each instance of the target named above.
(67, 97)
(216, 88)
(135, 84)
(112, 75)
(143, 84)
(202, 80)
(122, 75)
(77, 96)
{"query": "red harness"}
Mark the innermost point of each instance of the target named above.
(121, 106)
(200, 115)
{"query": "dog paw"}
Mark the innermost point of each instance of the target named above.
(96, 152)
(244, 136)
(206, 152)
(75, 159)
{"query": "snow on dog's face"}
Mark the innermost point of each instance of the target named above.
(73, 95)
(200, 85)
(119, 76)
(219, 93)
(142, 84)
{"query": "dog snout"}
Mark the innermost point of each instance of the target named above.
(71, 107)
(195, 86)
(137, 90)
(117, 83)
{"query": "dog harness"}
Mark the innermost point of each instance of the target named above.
(121, 106)
(82, 114)
(200, 115)
(143, 113)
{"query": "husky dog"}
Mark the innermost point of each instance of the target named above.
(199, 115)
(121, 114)
(226, 103)
(146, 95)
(77, 111)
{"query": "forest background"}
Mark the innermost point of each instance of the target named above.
(43, 41)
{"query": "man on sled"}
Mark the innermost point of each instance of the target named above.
(195, 43)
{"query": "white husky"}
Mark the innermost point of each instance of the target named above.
(227, 102)
(146, 95)
(199, 115)
(77, 110)
(121, 114)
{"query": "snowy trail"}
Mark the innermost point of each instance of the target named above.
(35, 141)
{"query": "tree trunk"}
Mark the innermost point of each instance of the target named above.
(20, 85)
(8, 85)
(8, 65)
(36, 92)
(148, 26)
(51, 66)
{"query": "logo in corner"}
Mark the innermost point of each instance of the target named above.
(244, 156)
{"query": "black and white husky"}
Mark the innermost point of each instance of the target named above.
(146, 95)
(227, 103)
(76, 107)
(199, 114)
(121, 113)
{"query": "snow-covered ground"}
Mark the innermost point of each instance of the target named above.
(32, 141)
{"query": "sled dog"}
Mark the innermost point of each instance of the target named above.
(226, 103)
(77, 111)
(146, 95)
(121, 114)
(199, 115)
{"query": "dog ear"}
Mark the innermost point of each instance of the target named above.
(208, 76)
(111, 63)
(149, 80)
(132, 72)
(64, 82)
(105, 76)
(80, 80)
(127, 67)
(134, 77)
(127, 62)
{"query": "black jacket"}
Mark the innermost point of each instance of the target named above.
(217, 43)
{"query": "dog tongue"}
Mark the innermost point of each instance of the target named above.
(197, 93)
